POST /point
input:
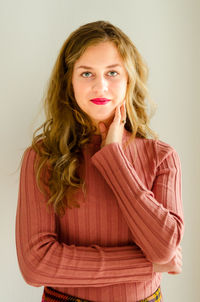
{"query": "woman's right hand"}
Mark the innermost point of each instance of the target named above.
(174, 266)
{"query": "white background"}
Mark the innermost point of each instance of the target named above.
(167, 35)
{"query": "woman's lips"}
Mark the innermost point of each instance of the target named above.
(100, 101)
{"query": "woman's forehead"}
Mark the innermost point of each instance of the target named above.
(103, 53)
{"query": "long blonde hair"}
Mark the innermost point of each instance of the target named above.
(67, 128)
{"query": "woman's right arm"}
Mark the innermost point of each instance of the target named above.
(44, 261)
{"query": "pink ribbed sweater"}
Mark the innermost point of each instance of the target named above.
(131, 216)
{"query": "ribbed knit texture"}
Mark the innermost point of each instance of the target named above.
(131, 216)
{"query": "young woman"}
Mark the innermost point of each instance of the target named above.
(99, 213)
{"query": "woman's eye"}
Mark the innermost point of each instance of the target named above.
(113, 73)
(86, 74)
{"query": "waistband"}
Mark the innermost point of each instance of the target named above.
(52, 295)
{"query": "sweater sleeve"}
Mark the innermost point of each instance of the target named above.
(45, 261)
(155, 216)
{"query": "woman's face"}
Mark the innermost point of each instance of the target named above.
(100, 73)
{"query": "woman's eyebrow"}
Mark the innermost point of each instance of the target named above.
(88, 67)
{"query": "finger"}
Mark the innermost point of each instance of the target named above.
(179, 248)
(180, 262)
(123, 111)
(117, 117)
(178, 267)
(179, 251)
(179, 255)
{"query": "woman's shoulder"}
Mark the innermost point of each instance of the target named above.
(152, 148)
(161, 150)
(30, 153)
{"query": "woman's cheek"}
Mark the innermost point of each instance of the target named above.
(121, 87)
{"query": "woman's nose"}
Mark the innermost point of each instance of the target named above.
(100, 85)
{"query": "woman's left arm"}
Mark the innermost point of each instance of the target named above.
(155, 217)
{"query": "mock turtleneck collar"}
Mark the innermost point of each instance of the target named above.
(95, 139)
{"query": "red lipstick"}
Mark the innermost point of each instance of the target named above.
(100, 101)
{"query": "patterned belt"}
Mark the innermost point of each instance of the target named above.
(52, 295)
(156, 297)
